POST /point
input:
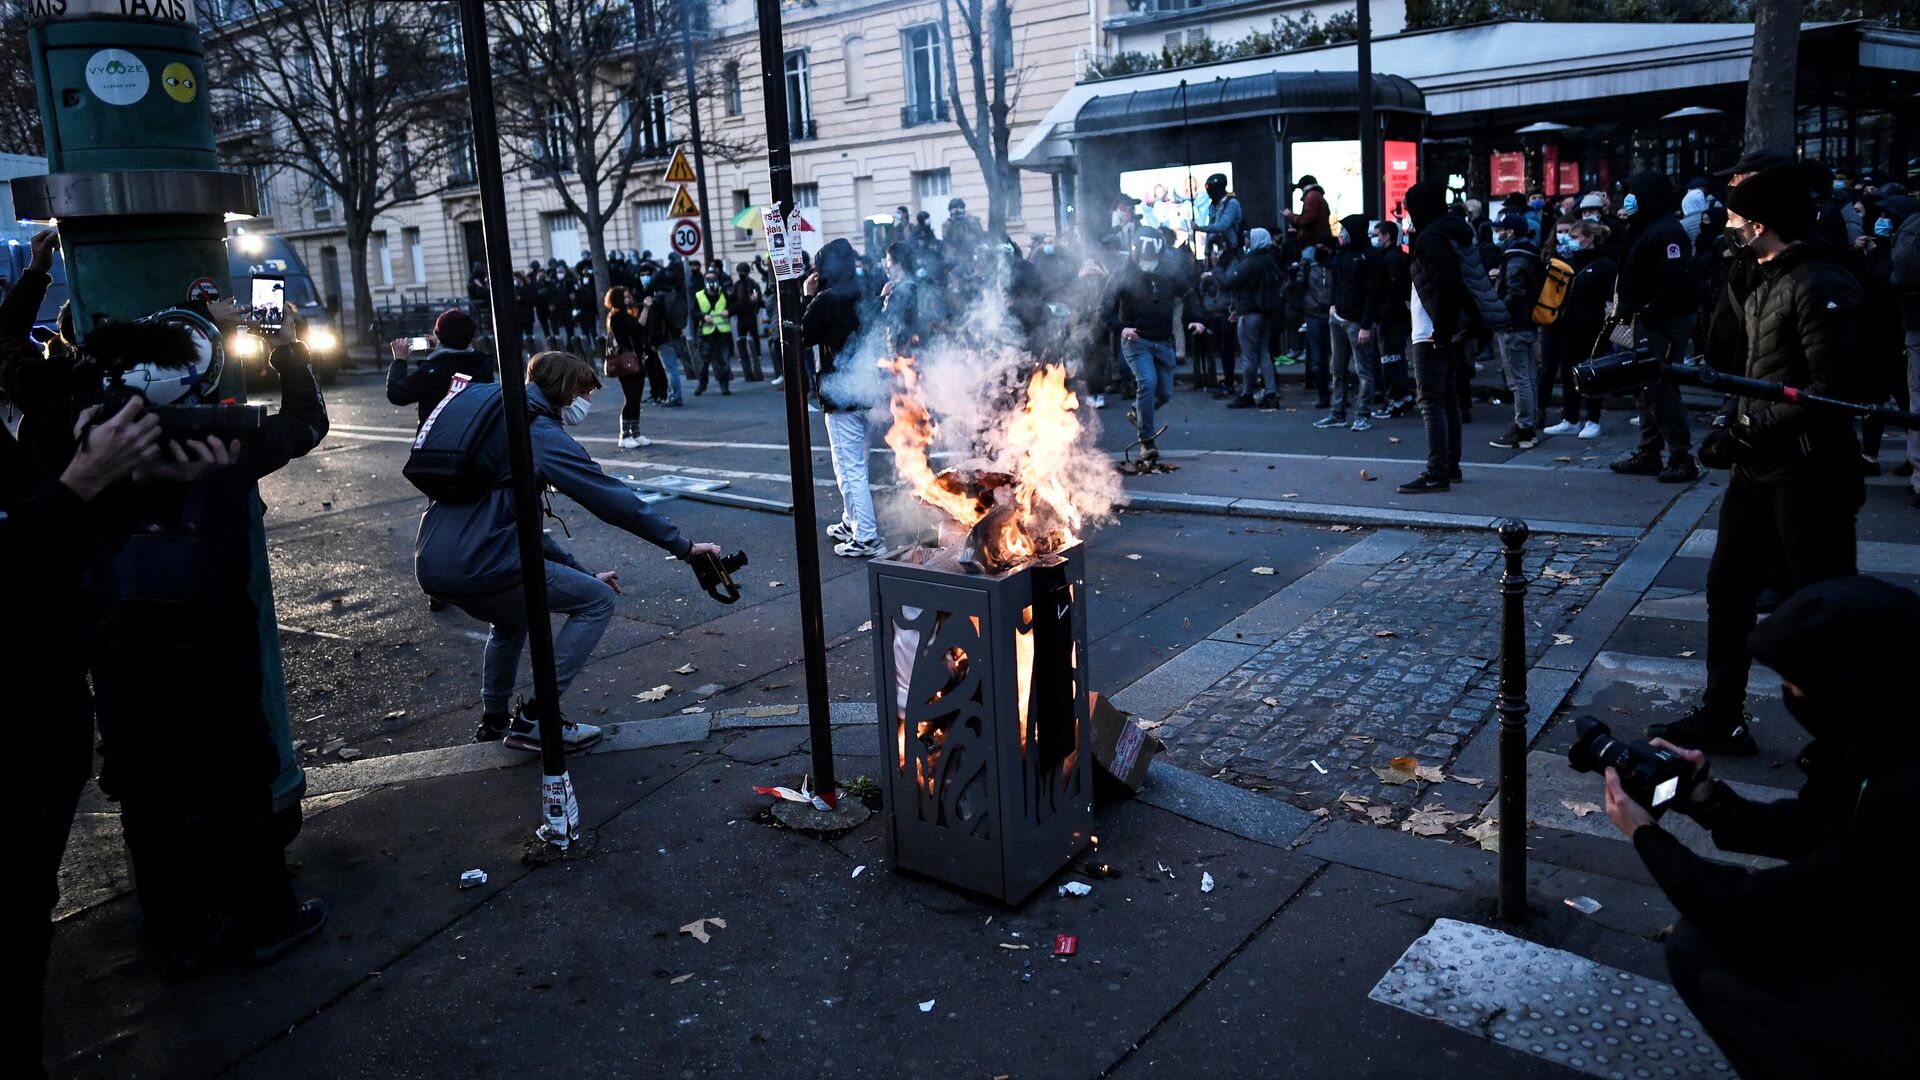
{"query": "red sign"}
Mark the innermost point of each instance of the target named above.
(685, 237)
(1509, 174)
(1569, 178)
(203, 289)
(1550, 169)
(1401, 169)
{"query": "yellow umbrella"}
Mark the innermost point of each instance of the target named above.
(747, 219)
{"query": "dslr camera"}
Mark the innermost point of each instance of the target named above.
(715, 574)
(172, 360)
(1652, 777)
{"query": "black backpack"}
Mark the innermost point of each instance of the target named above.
(453, 459)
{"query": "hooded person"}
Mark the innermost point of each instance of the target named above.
(1354, 360)
(1801, 969)
(1254, 284)
(1659, 298)
(830, 322)
(422, 383)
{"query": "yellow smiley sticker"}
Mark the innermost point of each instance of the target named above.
(179, 82)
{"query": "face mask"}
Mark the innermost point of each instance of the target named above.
(1590, 215)
(646, 279)
(1883, 227)
(1566, 244)
(1307, 255)
(1629, 205)
(1149, 265)
(1737, 237)
(1537, 203)
(1839, 186)
(713, 286)
(576, 412)
(1379, 241)
(1047, 248)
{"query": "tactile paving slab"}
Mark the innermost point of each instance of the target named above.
(1549, 1003)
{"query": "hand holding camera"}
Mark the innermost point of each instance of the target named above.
(1722, 449)
(111, 450)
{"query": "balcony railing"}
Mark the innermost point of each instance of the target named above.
(802, 129)
(238, 120)
(923, 112)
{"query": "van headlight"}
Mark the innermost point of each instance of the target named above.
(321, 339)
(243, 345)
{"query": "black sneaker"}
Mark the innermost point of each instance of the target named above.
(1638, 464)
(1680, 470)
(1244, 401)
(1516, 438)
(1699, 731)
(1424, 484)
(307, 920)
(1454, 475)
(1149, 453)
(493, 727)
(1269, 401)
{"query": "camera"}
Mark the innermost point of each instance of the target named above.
(185, 421)
(1652, 777)
(171, 360)
(1617, 372)
(715, 574)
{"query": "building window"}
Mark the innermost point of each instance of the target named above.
(552, 149)
(416, 254)
(460, 161)
(741, 200)
(924, 54)
(263, 186)
(931, 190)
(384, 259)
(806, 196)
(799, 96)
(563, 237)
(321, 197)
(650, 134)
(853, 61)
(730, 83)
(650, 224)
(404, 186)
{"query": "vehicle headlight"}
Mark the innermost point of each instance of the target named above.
(321, 339)
(243, 346)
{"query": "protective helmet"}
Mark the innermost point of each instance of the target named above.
(1148, 246)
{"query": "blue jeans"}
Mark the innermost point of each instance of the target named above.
(1517, 362)
(1256, 356)
(585, 600)
(676, 374)
(1318, 345)
(1353, 360)
(1152, 365)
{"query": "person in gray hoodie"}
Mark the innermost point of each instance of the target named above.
(468, 555)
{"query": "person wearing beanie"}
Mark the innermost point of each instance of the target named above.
(424, 381)
(1519, 273)
(1787, 517)
(1314, 222)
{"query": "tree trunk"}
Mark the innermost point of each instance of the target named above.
(999, 131)
(359, 230)
(1770, 81)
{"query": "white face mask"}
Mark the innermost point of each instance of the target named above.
(576, 412)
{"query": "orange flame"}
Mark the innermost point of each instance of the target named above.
(911, 434)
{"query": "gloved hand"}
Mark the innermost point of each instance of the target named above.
(1721, 449)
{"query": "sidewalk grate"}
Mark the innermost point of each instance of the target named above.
(1552, 1004)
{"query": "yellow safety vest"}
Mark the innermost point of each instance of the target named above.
(716, 307)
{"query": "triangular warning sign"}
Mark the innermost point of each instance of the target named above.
(683, 204)
(679, 170)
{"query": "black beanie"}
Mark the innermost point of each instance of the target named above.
(1776, 197)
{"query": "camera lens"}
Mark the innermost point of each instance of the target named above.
(1594, 748)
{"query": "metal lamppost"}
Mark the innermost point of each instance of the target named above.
(773, 84)
(560, 810)
(1369, 133)
(1513, 722)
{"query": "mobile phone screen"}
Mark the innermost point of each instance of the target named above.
(269, 301)
(420, 344)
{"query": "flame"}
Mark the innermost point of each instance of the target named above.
(1037, 514)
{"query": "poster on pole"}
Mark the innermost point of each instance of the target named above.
(786, 264)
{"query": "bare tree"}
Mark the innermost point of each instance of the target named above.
(989, 37)
(1772, 75)
(350, 94)
(19, 102)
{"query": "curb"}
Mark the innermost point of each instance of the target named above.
(1332, 514)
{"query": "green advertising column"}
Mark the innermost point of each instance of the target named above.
(136, 190)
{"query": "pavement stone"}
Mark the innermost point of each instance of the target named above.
(1405, 662)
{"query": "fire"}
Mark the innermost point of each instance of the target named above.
(1021, 504)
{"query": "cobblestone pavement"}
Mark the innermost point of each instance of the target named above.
(1405, 663)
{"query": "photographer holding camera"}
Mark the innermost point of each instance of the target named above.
(1790, 504)
(1802, 970)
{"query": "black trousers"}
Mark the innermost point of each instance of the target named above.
(656, 373)
(42, 799)
(1794, 1025)
(632, 389)
(1436, 373)
(715, 359)
(1787, 535)
(1564, 350)
(1663, 418)
(746, 344)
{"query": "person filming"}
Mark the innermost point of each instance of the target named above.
(1801, 970)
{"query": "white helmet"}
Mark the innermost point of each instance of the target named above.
(171, 384)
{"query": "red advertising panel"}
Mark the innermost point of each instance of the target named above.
(1569, 178)
(1550, 169)
(1401, 168)
(1509, 173)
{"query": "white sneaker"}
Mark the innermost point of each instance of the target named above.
(839, 531)
(859, 549)
(1590, 430)
(629, 442)
(1634, 420)
(1564, 427)
(523, 732)
(778, 381)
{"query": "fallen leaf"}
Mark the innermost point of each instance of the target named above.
(775, 584)
(1563, 639)
(691, 709)
(1485, 832)
(1264, 571)
(1385, 633)
(864, 628)
(658, 693)
(1580, 809)
(678, 979)
(927, 1005)
(1289, 494)
(1134, 557)
(1401, 770)
(1393, 438)
(1272, 702)
(1432, 821)
(1470, 780)
(685, 669)
(1559, 575)
(1321, 811)
(1430, 774)
(1340, 528)
(1381, 815)
(698, 928)
(1686, 652)
(1594, 543)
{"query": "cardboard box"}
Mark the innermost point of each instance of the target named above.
(1121, 747)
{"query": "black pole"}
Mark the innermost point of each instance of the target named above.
(813, 637)
(1513, 723)
(513, 396)
(1193, 200)
(699, 150)
(1369, 137)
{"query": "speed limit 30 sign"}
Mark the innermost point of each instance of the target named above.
(686, 236)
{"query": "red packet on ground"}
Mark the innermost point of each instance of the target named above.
(1065, 945)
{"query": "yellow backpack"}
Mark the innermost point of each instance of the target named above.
(1554, 284)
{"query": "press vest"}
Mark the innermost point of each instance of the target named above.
(716, 305)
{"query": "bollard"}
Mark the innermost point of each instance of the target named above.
(1513, 723)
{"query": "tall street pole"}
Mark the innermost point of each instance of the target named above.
(559, 808)
(1369, 133)
(813, 637)
(693, 113)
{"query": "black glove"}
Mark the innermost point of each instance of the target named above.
(1721, 449)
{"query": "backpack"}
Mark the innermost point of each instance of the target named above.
(450, 461)
(1906, 253)
(1319, 286)
(1555, 281)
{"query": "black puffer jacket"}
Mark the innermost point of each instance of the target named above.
(1387, 293)
(1656, 274)
(1447, 271)
(830, 321)
(1847, 644)
(1352, 270)
(1520, 271)
(1802, 328)
(1585, 308)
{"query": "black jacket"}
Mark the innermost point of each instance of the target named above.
(1352, 270)
(831, 319)
(1389, 291)
(1446, 269)
(665, 315)
(1519, 285)
(1656, 274)
(1143, 300)
(1585, 309)
(423, 382)
(1253, 282)
(1840, 901)
(1802, 324)
(29, 375)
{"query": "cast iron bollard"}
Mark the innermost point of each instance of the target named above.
(1513, 724)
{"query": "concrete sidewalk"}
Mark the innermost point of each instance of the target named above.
(829, 963)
